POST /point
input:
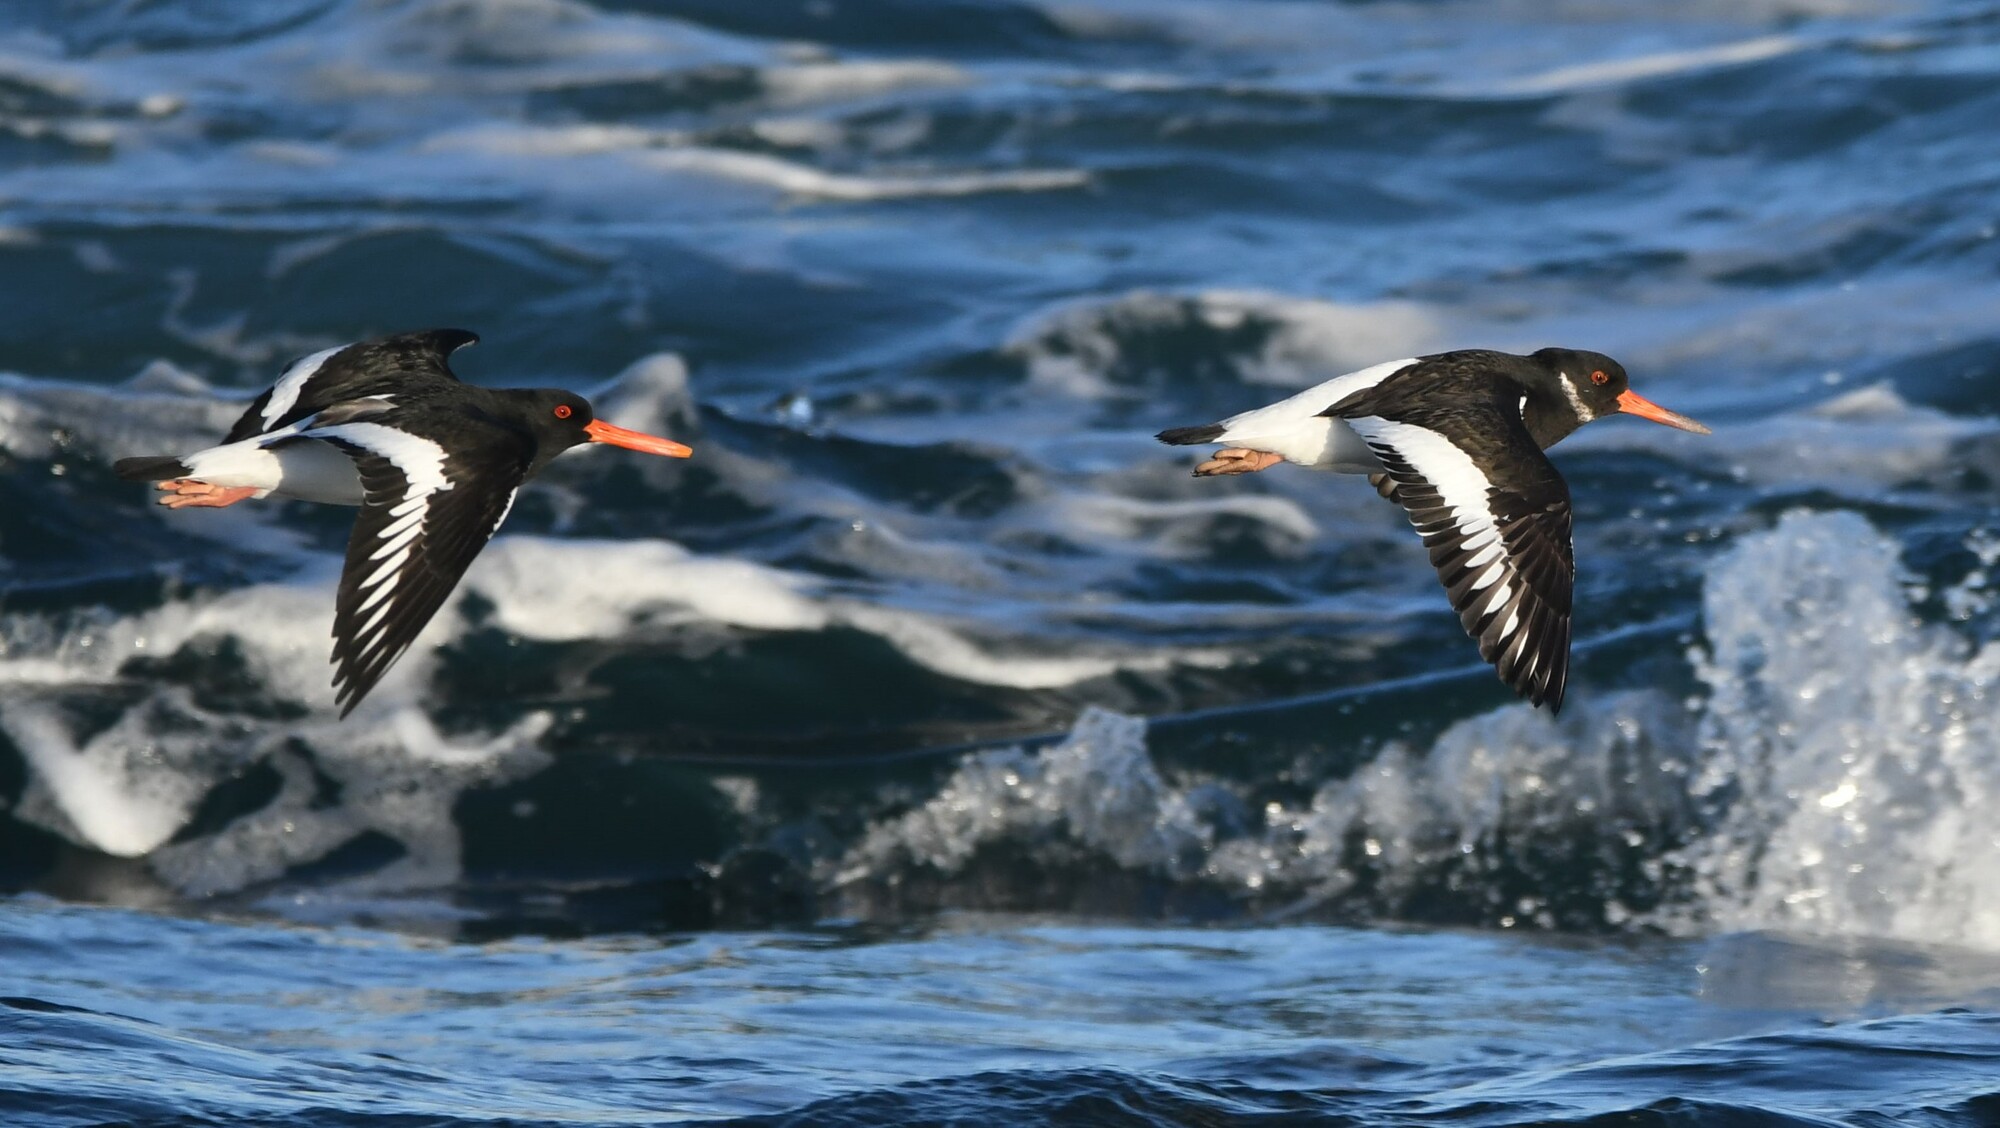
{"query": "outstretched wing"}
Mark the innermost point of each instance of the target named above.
(426, 512)
(1498, 532)
(312, 384)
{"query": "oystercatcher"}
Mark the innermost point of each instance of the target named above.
(1456, 439)
(434, 465)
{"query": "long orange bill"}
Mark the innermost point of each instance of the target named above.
(602, 432)
(1632, 403)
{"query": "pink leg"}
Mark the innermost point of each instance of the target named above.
(1238, 460)
(186, 493)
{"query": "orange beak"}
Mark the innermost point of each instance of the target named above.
(602, 432)
(1632, 403)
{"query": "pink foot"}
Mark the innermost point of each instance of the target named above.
(1238, 460)
(186, 493)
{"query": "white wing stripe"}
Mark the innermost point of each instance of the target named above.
(379, 594)
(422, 464)
(1485, 555)
(398, 548)
(421, 460)
(400, 540)
(362, 640)
(1474, 544)
(403, 525)
(1523, 631)
(504, 511)
(1448, 469)
(286, 391)
(388, 568)
(1459, 484)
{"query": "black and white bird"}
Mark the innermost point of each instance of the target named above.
(433, 463)
(1456, 439)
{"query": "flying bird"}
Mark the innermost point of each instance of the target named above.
(1456, 439)
(433, 463)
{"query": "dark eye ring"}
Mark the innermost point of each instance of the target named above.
(1598, 377)
(563, 409)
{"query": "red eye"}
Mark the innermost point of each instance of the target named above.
(563, 411)
(1598, 377)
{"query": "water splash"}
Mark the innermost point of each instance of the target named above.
(1098, 789)
(1851, 749)
(1511, 816)
(1831, 780)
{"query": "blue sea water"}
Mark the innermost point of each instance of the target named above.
(932, 748)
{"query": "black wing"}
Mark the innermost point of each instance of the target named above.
(312, 384)
(1498, 531)
(425, 515)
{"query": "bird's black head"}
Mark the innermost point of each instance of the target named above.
(561, 420)
(1588, 385)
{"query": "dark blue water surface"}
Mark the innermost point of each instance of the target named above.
(932, 748)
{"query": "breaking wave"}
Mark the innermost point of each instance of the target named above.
(1823, 771)
(1829, 777)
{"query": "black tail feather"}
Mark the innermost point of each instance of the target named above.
(1191, 436)
(154, 468)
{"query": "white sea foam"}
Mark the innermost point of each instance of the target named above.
(534, 39)
(1098, 789)
(798, 179)
(801, 131)
(532, 585)
(1175, 528)
(666, 151)
(1869, 436)
(107, 792)
(651, 394)
(129, 787)
(162, 410)
(398, 777)
(539, 589)
(1659, 64)
(1027, 665)
(804, 83)
(582, 139)
(1861, 440)
(1305, 340)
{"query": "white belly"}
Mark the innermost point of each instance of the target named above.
(1318, 442)
(1295, 428)
(309, 471)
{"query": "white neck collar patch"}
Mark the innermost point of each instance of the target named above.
(1575, 401)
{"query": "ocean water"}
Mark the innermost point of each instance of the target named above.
(932, 748)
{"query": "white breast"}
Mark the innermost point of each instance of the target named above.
(1295, 428)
